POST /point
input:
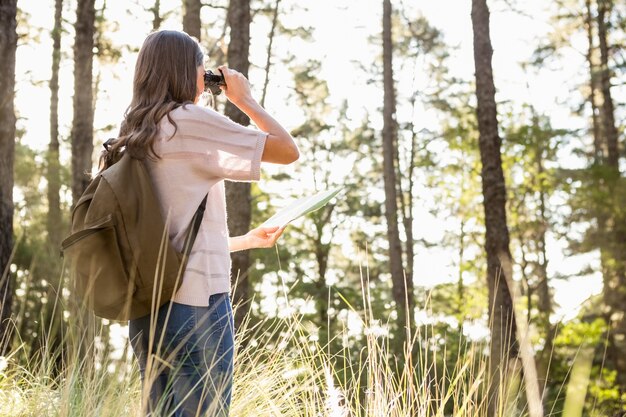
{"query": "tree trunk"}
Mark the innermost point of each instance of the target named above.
(607, 108)
(389, 173)
(600, 153)
(238, 198)
(406, 213)
(8, 45)
(615, 282)
(460, 285)
(406, 206)
(54, 219)
(82, 125)
(82, 146)
(268, 62)
(543, 289)
(321, 256)
(322, 251)
(191, 18)
(593, 85)
(53, 310)
(156, 15)
(54, 181)
(503, 348)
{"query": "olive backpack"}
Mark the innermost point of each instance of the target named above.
(122, 264)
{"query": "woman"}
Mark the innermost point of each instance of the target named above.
(185, 352)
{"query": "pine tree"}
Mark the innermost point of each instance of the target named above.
(499, 269)
(82, 142)
(389, 137)
(615, 225)
(268, 61)
(191, 18)
(596, 196)
(53, 174)
(157, 18)
(238, 198)
(82, 124)
(8, 45)
(53, 318)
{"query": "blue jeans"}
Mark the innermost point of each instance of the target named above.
(189, 372)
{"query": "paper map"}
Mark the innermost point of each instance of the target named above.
(300, 207)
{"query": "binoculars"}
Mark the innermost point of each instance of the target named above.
(213, 81)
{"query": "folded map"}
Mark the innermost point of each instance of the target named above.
(301, 207)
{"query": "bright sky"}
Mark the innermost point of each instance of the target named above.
(342, 29)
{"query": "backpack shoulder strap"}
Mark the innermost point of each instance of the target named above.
(196, 221)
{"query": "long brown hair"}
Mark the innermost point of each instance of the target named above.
(165, 78)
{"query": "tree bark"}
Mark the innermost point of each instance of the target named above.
(389, 134)
(322, 251)
(82, 125)
(191, 18)
(238, 197)
(82, 148)
(321, 257)
(503, 328)
(593, 85)
(615, 270)
(156, 15)
(406, 206)
(460, 285)
(600, 153)
(54, 220)
(8, 46)
(53, 311)
(607, 108)
(268, 62)
(543, 288)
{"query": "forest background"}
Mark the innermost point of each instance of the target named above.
(396, 102)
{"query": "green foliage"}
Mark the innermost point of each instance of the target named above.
(328, 275)
(579, 333)
(311, 266)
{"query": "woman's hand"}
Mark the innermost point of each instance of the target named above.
(263, 237)
(237, 88)
(280, 147)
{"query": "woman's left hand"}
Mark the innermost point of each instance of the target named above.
(264, 237)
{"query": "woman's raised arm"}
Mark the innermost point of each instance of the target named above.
(280, 147)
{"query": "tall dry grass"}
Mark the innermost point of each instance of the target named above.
(282, 372)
